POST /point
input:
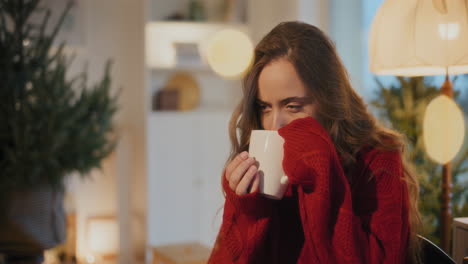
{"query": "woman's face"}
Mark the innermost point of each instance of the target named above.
(282, 97)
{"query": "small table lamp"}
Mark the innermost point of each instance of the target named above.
(103, 238)
(417, 38)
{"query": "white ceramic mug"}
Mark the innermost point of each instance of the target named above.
(267, 148)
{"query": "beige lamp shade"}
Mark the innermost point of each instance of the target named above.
(444, 129)
(230, 53)
(414, 38)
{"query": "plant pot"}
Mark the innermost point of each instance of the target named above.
(31, 221)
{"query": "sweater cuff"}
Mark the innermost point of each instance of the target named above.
(252, 204)
(303, 137)
(304, 128)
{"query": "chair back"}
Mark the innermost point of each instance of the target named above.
(432, 254)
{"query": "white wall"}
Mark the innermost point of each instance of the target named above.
(264, 15)
(347, 31)
(341, 20)
(315, 12)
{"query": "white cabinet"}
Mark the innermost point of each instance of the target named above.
(186, 151)
(186, 156)
(460, 239)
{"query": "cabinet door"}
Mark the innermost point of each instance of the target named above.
(213, 152)
(171, 197)
(186, 156)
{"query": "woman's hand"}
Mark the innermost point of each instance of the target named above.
(241, 173)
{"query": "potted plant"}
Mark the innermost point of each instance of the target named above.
(51, 126)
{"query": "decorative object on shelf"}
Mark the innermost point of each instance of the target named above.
(166, 100)
(181, 92)
(51, 127)
(188, 90)
(196, 11)
(103, 238)
(423, 38)
(230, 53)
(187, 54)
(176, 16)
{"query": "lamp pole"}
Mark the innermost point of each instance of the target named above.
(446, 196)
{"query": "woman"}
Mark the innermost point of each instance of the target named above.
(352, 197)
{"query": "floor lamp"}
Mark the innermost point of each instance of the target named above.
(419, 38)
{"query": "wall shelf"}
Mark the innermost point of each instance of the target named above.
(163, 37)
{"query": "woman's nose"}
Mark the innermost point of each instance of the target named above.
(278, 121)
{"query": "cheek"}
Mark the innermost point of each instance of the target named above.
(309, 110)
(285, 118)
(295, 116)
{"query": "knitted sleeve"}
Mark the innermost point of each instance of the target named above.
(332, 231)
(243, 231)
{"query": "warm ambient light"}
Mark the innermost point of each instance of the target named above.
(230, 53)
(449, 31)
(416, 38)
(444, 129)
(103, 236)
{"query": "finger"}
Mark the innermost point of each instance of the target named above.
(235, 162)
(239, 172)
(255, 183)
(244, 184)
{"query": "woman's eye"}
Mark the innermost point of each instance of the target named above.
(294, 108)
(263, 108)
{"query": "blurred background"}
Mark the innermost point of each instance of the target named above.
(160, 184)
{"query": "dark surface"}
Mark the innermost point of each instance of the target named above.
(432, 254)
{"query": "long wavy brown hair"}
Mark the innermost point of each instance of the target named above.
(340, 110)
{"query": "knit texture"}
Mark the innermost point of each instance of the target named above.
(321, 219)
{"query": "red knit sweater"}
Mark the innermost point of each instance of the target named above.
(321, 218)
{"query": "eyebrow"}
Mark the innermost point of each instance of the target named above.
(302, 100)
